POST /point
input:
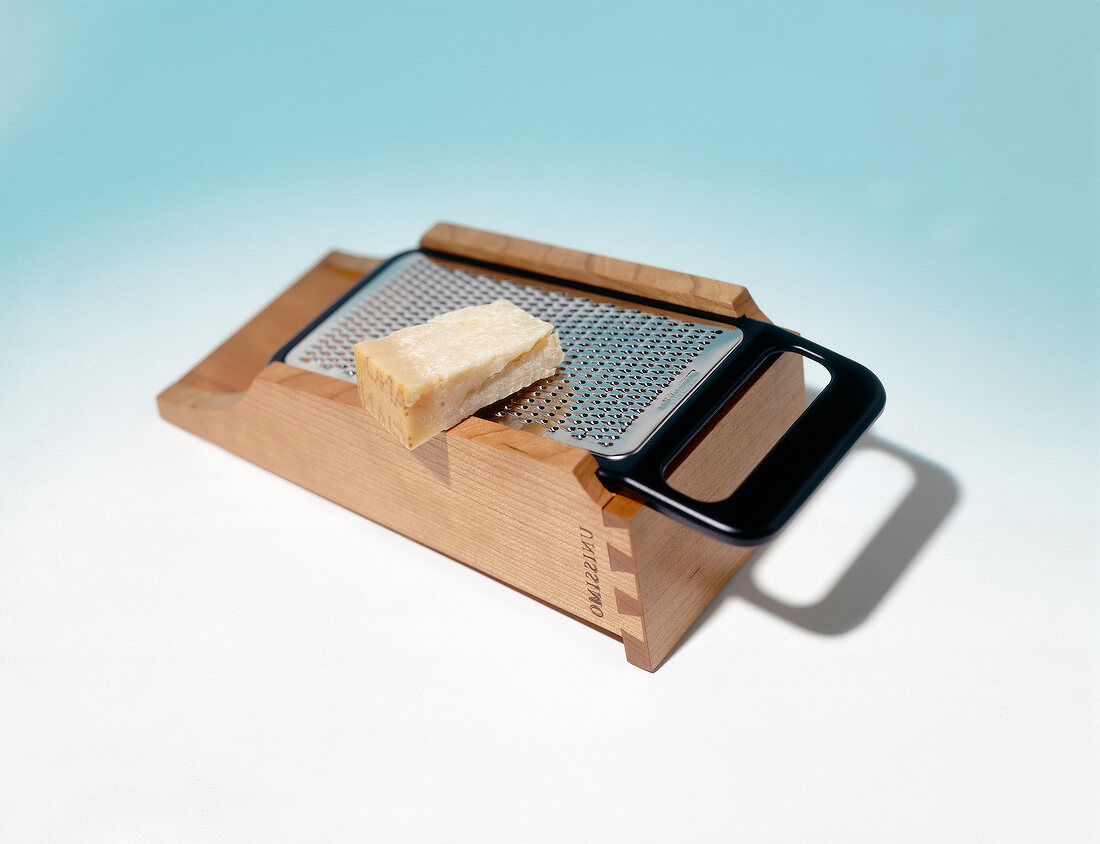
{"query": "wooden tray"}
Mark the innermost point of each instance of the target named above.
(469, 493)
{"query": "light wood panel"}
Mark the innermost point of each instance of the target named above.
(521, 515)
(676, 288)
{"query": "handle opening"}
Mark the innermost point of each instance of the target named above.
(790, 470)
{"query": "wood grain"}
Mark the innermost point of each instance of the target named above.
(526, 510)
(519, 515)
(679, 569)
(675, 288)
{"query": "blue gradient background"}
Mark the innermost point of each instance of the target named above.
(871, 171)
(915, 185)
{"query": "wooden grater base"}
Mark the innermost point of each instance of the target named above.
(524, 509)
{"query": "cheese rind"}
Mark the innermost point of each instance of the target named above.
(426, 378)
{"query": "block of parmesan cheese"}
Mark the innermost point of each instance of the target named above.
(426, 378)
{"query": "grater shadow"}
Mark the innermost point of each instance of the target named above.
(877, 568)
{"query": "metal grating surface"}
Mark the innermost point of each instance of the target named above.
(624, 371)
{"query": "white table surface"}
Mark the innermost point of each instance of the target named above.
(194, 648)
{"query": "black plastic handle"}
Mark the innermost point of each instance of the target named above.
(788, 474)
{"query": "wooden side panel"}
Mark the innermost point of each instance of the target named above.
(521, 515)
(677, 288)
(743, 433)
(681, 570)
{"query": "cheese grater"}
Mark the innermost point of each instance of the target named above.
(636, 386)
(624, 372)
(662, 369)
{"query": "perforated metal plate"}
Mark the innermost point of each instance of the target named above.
(625, 369)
